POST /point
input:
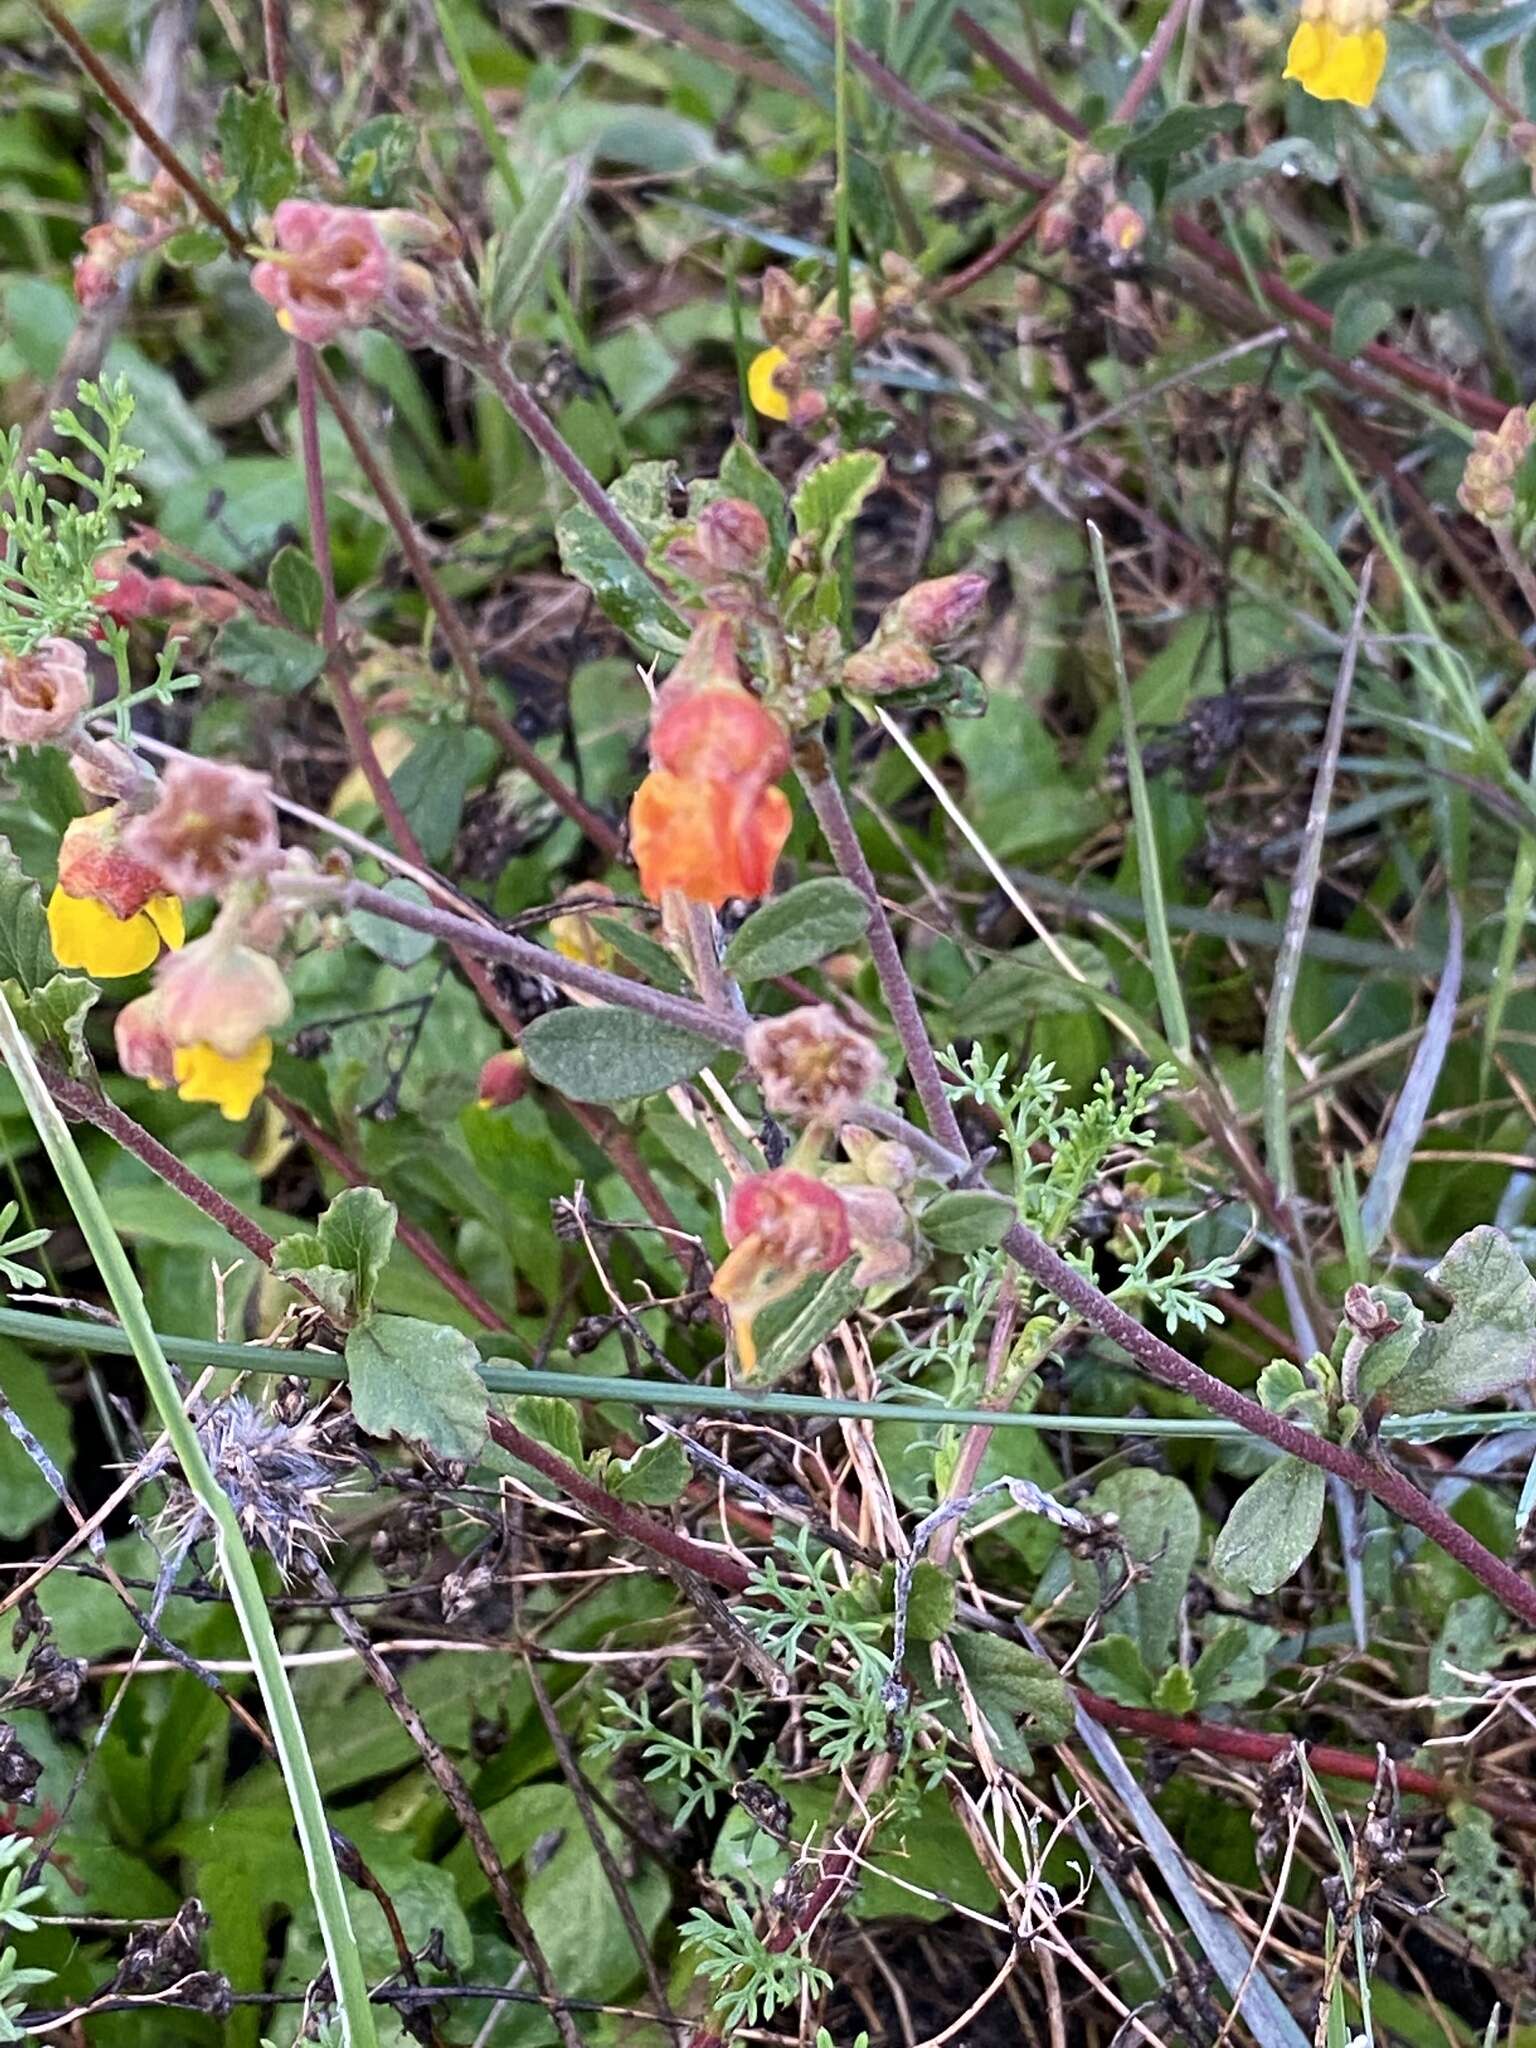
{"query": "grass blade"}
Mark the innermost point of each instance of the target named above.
(1407, 1120)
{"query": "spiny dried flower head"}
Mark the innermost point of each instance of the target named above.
(42, 693)
(210, 825)
(111, 911)
(276, 1478)
(782, 1227)
(1487, 483)
(1339, 49)
(811, 1065)
(333, 267)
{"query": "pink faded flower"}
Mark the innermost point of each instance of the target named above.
(97, 265)
(211, 825)
(811, 1065)
(221, 994)
(144, 1049)
(329, 271)
(42, 694)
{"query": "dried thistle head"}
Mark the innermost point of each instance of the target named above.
(277, 1479)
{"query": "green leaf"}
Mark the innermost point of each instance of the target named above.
(433, 780)
(342, 1257)
(967, 1219)
(1358, 319)
(789, 1332)
(552, 1421)
(1010, 1681)
(1234, 1664)
(623, 589)
(521, 252)
(55, 1015)
(1473, 1638)
(399, 944)
(268, 657)
(930, 1602)
(831, 497)
(26, 957)
(642, 951)
(193, 247)
(1160, 1527)
(612, 1055)
(797, 929)
(1113, 1666)
(254, 148)
(1182, 128)
(1384, 1360)
(654, 1477)
(1484, 1897)
(1175, 1691)
(420, 1381)
(1272, 1528)
(26, 1498)
(375, 156)
(1483, 1347)
(296, 589)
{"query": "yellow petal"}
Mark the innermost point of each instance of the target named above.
(203, 1075)
(1334, 66)
(762, 388)
(164, 913)
(87, 936)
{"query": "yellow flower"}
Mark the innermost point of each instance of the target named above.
(762, 384)
(203, 1075)
(86, 935)
(1339, 50)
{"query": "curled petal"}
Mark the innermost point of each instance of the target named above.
(763, 384)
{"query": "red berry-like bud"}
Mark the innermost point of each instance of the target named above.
(503, 1080)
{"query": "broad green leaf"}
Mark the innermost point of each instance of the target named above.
(399, 944)
(967, 1219)
(374, 157)
(930, 1599)
(296, 589)
(433, 780)
(268, 657)
(519, 253)
(1233, 1666)
(1174, 1692)
(420, 1381)
(26, 957)
(1358, 319)
(1182, 128)
(642, 951)
(1113, 1666)
(551, 1421)
(1484, 1346)
(254, 149)
(194, 247)
(623, 589)
(1272, 1528)
(1484, 1896)
(1010, 1681)
(797, 929)
(342, 1257)
(794, 40)
(612, 1055)
(789, 1332)
(1473, 1638)
(1160, 1527)
(654, 1477)
(26, 1498)
(832, 496)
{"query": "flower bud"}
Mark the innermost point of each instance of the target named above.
(935, 612)
(882, 1162)
(221, 994)
(1123, 228)
(96, 267)
(43, 693)
(883, 666)
(784, 304)
(806, 409)
(812, 1066)
(503, 1080)
(211, 824)
(782, 1227)
(143, 1047)
(95, 862)
(1487, 484)
(732, 536)
(883, 1235)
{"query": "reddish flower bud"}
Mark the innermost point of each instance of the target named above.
(221, 994)
(717, 736)
(94, 862)
(732, 536)
(503, 1080)
(130, 594)
(143, 1047)
(42, 694)
(882, 1233)
(811, 1065)
(329, 271)
(882, 666)
(936, 611)
(1123, 228)
(96, 267)
(210, 825)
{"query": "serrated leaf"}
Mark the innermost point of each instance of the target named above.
(253, 146)
(1272, 1528)
(1487, 1344)
(1113, 1667)
(551, 1421)
(832, 496)
(420, 1381)
(623, 589)
(654, 1477)
(797, 929)
(399, 944)
(55, 1015)
(296, 589)
(1484, 1897)
(269, 657)
(612, 1055)
(1009, 1681)
(342, 1257)
(1181, 128)
(26, 957)
(1174, 1692)
(789, 1331)
(967, 1219)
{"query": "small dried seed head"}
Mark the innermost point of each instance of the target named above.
(1487, 483)
(277, 1483)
